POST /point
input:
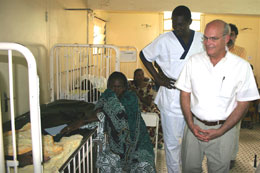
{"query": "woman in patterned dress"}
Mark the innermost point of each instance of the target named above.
(144, 89)
(129, 148)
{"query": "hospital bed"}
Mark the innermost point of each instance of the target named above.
(80, 72)
(8, 49)
(75, 73)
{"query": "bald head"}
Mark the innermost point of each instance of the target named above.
(220, 25)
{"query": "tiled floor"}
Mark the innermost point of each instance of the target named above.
(249, 145)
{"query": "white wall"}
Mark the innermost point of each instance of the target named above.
(23, 22)
(136, 29)
(37, 24)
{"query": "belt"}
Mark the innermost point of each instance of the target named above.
(212, 123)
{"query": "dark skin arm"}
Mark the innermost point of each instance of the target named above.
(162, 81)
(206, 135)
(92, 117)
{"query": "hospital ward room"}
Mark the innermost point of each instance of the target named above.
(88, 86)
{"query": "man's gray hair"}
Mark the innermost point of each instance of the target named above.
(226, 29)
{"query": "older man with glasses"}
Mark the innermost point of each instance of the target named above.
(216, 87)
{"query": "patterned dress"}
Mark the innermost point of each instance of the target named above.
(147, 90)
(129, 148)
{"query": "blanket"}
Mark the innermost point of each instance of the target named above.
(129, 147)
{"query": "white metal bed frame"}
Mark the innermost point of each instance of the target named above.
(82, 159)
(69, 63)
(34, 110)
(128, 54)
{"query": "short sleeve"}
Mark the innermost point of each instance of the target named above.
(248, 90)
(152, 51)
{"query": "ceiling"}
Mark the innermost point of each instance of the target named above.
(245, 7)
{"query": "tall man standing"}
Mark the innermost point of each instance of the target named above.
(216, 87)
(171, 51)
(241, 52)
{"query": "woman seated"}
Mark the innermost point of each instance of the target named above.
(146, 94)
(129, 148)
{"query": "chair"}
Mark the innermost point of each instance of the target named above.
(152, 120)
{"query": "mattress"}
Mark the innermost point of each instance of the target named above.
(52, 115)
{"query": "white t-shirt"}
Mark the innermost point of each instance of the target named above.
(215, 90)
(167, 50)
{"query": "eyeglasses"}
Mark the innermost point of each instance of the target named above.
(212, 38)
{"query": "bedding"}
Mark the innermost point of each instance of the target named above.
(72, 113)
(56, 113)
(68, 144)
(24, 143)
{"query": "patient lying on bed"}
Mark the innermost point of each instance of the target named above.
(93, 92)
(129, 148)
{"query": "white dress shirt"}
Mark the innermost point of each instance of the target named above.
(215, 90)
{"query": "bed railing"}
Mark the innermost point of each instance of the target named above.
(128, 60)
(82, 159)
(34, 108)
(72, 64)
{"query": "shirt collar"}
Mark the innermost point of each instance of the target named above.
(223, 60)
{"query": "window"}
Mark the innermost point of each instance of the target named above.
(195, 25)
(99, 33)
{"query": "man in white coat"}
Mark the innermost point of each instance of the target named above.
(170, 51)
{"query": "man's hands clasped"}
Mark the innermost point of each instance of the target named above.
(205, 135)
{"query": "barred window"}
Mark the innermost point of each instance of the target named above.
(195, 25)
